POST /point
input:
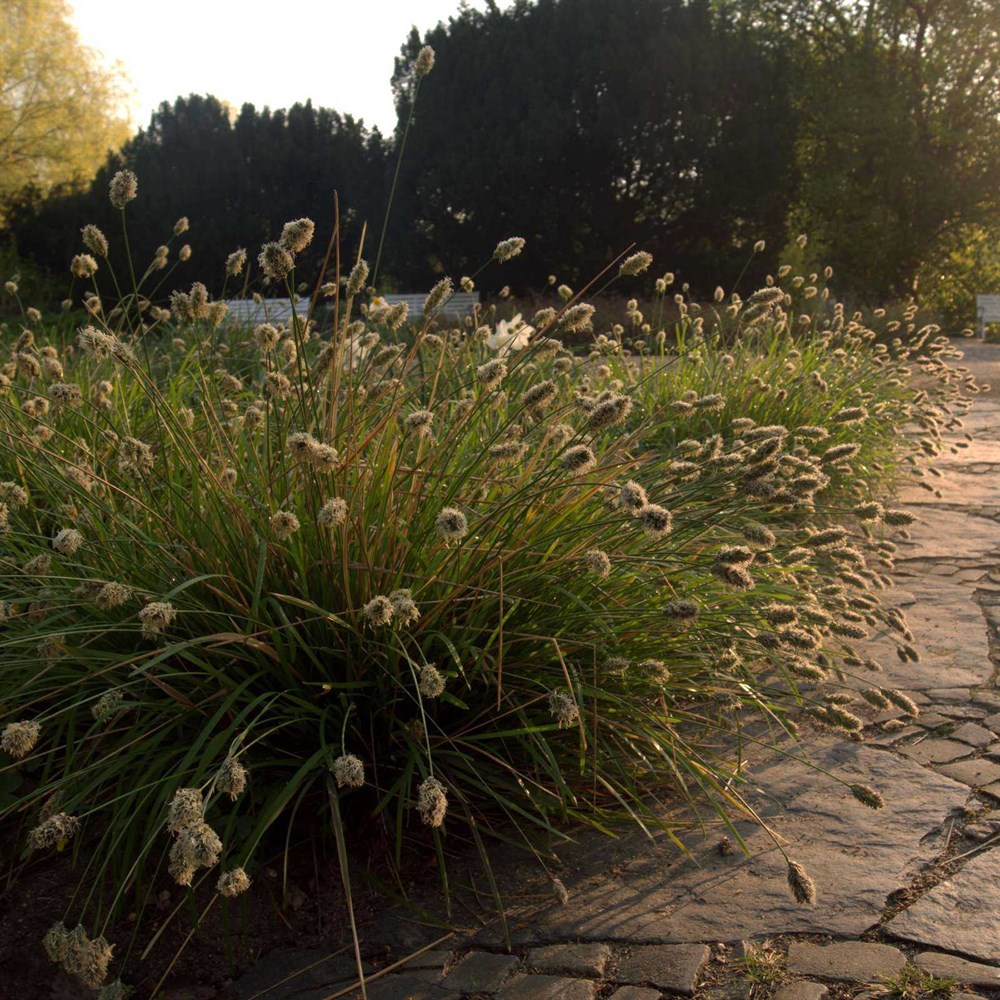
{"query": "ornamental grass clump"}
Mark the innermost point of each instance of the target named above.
(247, 584)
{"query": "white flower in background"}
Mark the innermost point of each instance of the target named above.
(513, 335)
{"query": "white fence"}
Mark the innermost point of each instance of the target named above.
(987, 311)
(459, 305)
(247, 312)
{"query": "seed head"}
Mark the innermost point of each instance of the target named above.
(404, 607)
(839, 452)
(684, 611)
(655, 520)
(633, 497)
(867, 796)
(900, 700)
(108, 705)
(13, 495)
(135, 458)
(19, 738)
(419, 421)
(378, 611)
(492, 373)
(94, 240)
(898, 518)
(432, 801)
(598, 563)
(297, 235)
(266, 337)
(332, 513)
(284, 524)
(186, 809)
(233, 883)
(235, 263)
(802, 886)
(443, 290)
(609, 412)
(197, 846)
(540, 394)
(356, 280)
(560, 892)
(232, 778)
(734, 555)
(422, 66)
(431, 681)
(112, 595)
(758, 535)
(38, 566)
(869, 512)
(577, 318)
(275, 261)
(579, 459)
(67, 541)
(155, 617)
(276, 386)
(54, 830)
(508, 249)
(83, 266)
(635, 264)
(348, 771)
(79, 955)
(734, 575)
(711, 403)
(451, 524)
(123, 188)
(563, 707)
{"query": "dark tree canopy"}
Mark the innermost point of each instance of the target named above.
(237, 177)
(691, 128)
(585, 126)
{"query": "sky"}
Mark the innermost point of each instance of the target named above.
(337, 52)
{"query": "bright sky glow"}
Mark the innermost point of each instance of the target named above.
(339, 52)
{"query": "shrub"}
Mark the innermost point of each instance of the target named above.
(434, 578)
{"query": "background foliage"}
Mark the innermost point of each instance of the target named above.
(692, 127)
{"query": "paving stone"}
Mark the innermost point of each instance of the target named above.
(673, 967)
(993, 722)
(480, 972)
(434, 959)
(635, 993)
(952, 967)
(573, 959)
(935, 751)
(802, 989)
(958, 694)
(993, 791)
(964, 711)
(976, 773)
(933, 720)
(976, 736)
(893, 737)
(988, 699)
(529, 987)
(960, 914)
(856, 856)
(978, 832)
(845, 961)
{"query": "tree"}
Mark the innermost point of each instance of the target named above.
(237, 176)
(60, 109)
(899, 143)
(585, 125)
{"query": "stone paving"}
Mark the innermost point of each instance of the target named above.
(912, 890)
